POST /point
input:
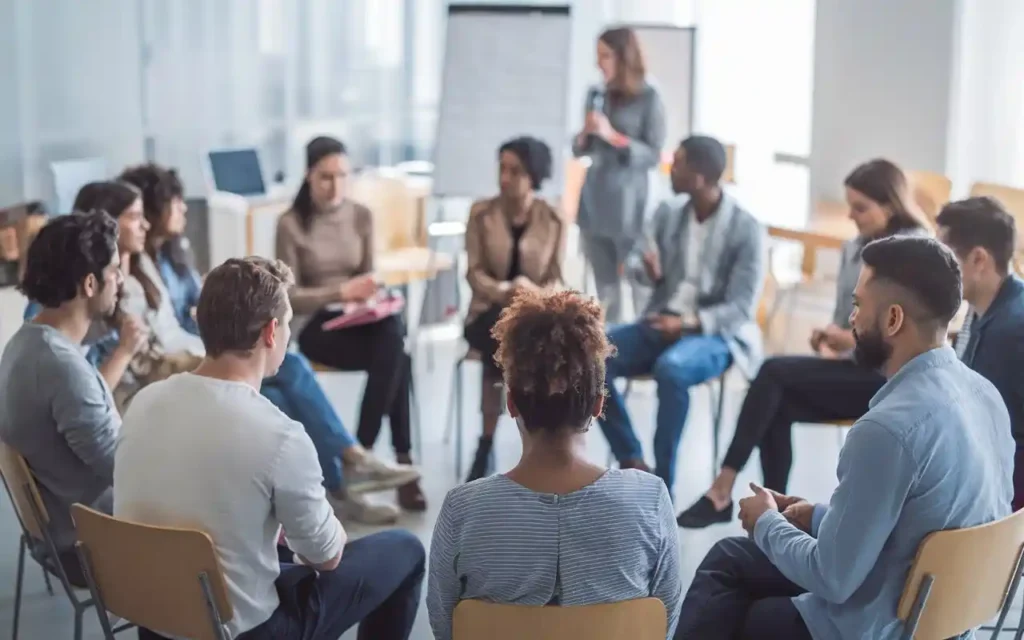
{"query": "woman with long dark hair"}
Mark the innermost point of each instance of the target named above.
(827, 387)
(514, 242)
(349, 470)
(623, 133)
(327, 240)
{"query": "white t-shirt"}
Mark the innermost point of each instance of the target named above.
(217, 456)
(684, 301)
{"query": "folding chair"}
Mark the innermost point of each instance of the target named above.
(164, 579)
(641, 619)
(35, 536)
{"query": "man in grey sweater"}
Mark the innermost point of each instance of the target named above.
(55, 408)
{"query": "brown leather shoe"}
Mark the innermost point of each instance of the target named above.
(410, 495)
(634, 464)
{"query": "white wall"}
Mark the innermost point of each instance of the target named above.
(883, 86)
(988, 114)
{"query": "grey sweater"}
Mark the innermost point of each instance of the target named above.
(614, 197)
(57, 412)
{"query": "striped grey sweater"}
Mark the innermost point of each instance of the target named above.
(496, 540)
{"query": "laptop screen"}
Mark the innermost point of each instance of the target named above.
(237, 171)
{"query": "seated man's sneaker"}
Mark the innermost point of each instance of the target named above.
(372, 474)
(356, 507)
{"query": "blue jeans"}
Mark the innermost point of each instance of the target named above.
(676, 366)
(295, 390)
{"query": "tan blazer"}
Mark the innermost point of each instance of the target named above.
(489, 250)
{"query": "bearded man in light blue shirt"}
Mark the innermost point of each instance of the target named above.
(933, 452)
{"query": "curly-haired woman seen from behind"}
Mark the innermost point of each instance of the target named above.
(513, 241)
(556, 529)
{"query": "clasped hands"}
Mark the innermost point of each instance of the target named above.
(520, 283)
(831, 341)
(798, 511)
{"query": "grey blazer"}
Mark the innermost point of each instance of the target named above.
(614, 195)
(731, 281)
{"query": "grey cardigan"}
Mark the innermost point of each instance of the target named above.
(614, 195)
(731, 280)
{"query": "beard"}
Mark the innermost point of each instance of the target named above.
(871, 351)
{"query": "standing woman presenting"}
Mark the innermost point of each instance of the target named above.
(623, 134)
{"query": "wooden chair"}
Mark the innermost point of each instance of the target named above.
(729, 177)
(398, 212)
(961, 578)
(642, 619)
(785, 287)
(931, 191)
(35, 535)
(1013, 200)
(167, 580)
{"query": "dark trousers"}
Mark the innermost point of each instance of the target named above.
(1018, 479)
(738, 594)
(478, 336)
(792, 389)
(377, 586)
(379, 350)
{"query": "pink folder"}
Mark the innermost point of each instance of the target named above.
(368, 313)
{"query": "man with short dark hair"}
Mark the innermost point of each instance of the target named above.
(933, 452)
(983, 236)
(205, 450)
(55, 408)
(705, 260)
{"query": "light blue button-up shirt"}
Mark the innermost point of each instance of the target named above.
(933, 452)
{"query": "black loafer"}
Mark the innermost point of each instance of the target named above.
(703, 514)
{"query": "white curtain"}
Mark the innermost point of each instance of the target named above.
(70, 83)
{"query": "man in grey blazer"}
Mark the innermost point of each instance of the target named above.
(705, 259)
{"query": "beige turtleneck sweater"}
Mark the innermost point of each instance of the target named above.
(337, 246)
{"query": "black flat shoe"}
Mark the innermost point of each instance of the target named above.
(703, 514)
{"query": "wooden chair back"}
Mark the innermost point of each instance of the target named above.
(931, 191)
(642, 619)
(729, 176)
(398, 215)
(151, 575)
(24, 492)
(970, 570)
(1013, 200)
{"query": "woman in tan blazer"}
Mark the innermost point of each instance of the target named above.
(513, 241)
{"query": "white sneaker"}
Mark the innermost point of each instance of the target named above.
(357, 507)
(373, 474)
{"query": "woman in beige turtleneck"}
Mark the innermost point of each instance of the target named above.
(327, 240)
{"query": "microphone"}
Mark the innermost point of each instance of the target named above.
(595, 100)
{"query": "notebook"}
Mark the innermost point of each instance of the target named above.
(368, 313)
